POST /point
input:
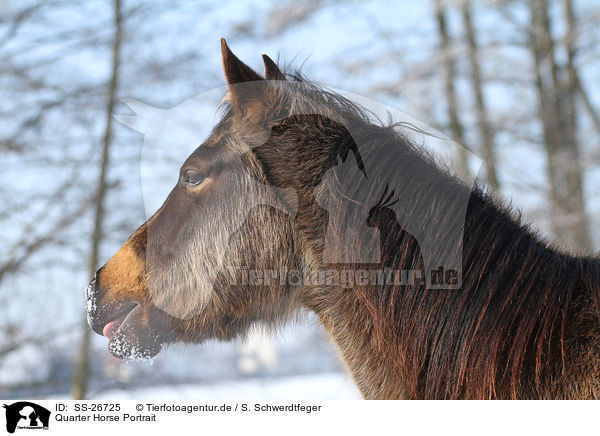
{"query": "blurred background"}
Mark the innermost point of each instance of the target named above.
(516, 81)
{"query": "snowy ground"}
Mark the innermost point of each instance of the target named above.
(332, 386)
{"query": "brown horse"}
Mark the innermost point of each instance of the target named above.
(513, 318)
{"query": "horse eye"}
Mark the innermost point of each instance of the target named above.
(192, 178)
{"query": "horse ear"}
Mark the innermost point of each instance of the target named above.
(254, 102)
(237, 74)
(235, 70)
(272, 71)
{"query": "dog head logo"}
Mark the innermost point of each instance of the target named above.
(26, 415)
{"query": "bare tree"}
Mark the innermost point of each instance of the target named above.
(448, 66)
(40, 220)
(557, 112)
(485, 130)
(80, 379)
(574, 85)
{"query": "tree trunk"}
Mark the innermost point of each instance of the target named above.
(456, 127)
(557, 112)
(575, 194)
(80, 379)
(485, 130)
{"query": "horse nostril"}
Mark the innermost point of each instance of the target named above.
(92, 287)
(91, 296)
(94, 280)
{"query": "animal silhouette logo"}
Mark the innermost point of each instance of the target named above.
(383, 216)
(374, 205)
(348, 240)
(26, 415)
(348, 191)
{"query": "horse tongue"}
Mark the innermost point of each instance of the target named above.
(110, 328)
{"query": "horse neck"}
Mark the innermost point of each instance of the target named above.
(522, 307)
(518, 324)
